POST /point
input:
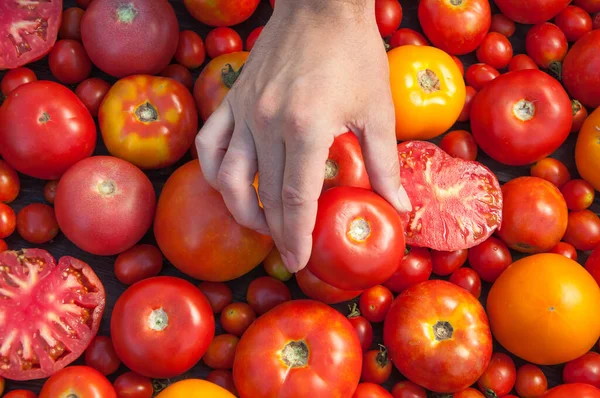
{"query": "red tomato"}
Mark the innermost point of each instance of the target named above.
(552, 170)
(574, 22)
(501, 24)
(585, 369)
(237, 317)
(138, 263)
(408, 389)
(345, 165)
(179, 73)
(69, 62)
(444, 263)
(415, 267)
(36, 344)
(490, 258)
(136, 37)
(499, 376)
(590, 6)
(376, 367)
(460, 143)
(457, 27)
(531, 381)
(78, 381)
(371, 390)
(479, 75)
(470, 393)
(521, 62)
(275, 267)
(468, 280)
(459, 63)
(10, 183)
(362, 327)
(3, 245)
(583, 230)
(305, 347)
(223, 40)
(221, 351)
(438, 336)
(15, 78)
(70, 27)
(375, 303)
(221, 12)
(8, 221)
(265, 293)
(357, 240)
(50, 191)
(101, 356)
(20, 394)
(565, 249)
(580, 113)
(579, 194)
(465, 115)
(495, 50)
(596, 23)
(252, 37)
(438, 221)
(219, 295)
(133, 385)
(592, 265)
(580, 70)
(316, 289)
(149, 319)
(531, 12)
(547, 45)
(91, 92)
(36, 223)
(37, 26)
(578, 390)
(190, 49)
(532, 117)
(223, 378)
(388, 14)
(83, 3)
(45, 129)
(406, 36)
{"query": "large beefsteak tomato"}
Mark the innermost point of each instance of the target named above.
(531, 11)
(580, 70)
(587, 150)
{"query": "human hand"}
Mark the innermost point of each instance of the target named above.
(318, 70)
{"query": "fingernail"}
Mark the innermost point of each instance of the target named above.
(290, 262)
(404, 200)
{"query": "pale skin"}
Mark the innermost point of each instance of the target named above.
(318, 70)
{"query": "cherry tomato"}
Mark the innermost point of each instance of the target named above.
(406, 36)
(503, 25)
(101, 356)
(585, 369)
(179, 73)
(8, 221)
(388, 14)
(531, 381)
(223, 40)
(219, 295)
(265, 293)
(3, 245)
(252, 37)
(445, 263)
(91, 92)
(221, 352)
(565, 249)
(490, 258)
(500, 375)
(478, 75)
(36, 223)
(460, 144)
(275, 267)
(363, 328)
(495, 50)
(190, 49)
(468, 279)
(377, 367)
(139, 262)
(552, 170)
(10, 183)
(583, 230)
(459, 63)
(547, 45)
(408, 389)
(133, 385)
(371, 390)
(69, 63)
(316, 289)
(415, 267)
(520, 62)
(20, 394)
(465, 115)
(574, 22)
(50, 191)
(580, 113)
(375, 302)
(70, 26)
(78, 381)
(237, 317)
(223, 378)
(596, 24)
(15, 78)
(579, 194)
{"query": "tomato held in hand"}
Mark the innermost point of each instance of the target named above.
(578, 194)
(223, 40)
(547, 45)
(479, 75)
(316, 289)
(468, 279)
(574, 22)
(407, 36)
(376, 367)
(237, 317)
(460, 143)
(133, 385)
(503, 25)
(190, 52)
(91, 92)
(32, 310)
(438, 336)
(495, 50)
(415, 267)
(388, 14)
(531, 381)
(70, 26)
(221, 12)
(408, 389)
(587, 150)
(345, 165)
(490, 258)
(521, 62)
(36, 223)
(275, 267)
(585, 369)
(265, 293)
(375, 303)
(140, 262)
(362, 327)
(221, 352)
(552, 170)
(444, 263)
(78, 381)
(15, 78)
(500, 375)
(580, 113)
(371, 390)
(8, 221)
(310, 343)
(69, 63)
(101, 356)
(533, 11)
(583, 230)
(580, 70)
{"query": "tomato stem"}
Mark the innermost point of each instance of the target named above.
(230, 75)
(576, 106)
(354, 311)
(556, 69)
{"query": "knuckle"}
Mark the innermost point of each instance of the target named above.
(266, 110)
(293, 197)
(269, 198)
(227, 180)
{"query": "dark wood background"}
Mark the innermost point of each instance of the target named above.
(32, 192)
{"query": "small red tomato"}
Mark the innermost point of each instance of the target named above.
(495, 50)
(460, 144)
(579, 194)
(580, 113)
(10, 183)
(583, 230)
(478, 75)
(377, 367)
(408, 389)
(101, 356)
(565, 249)
(179, 73)
(221, 352)
(469, 393)
(490, 258)
(375, 303)
(465, 115)
(445, 263)
(70, 26)
(265, 293)
(252, 37)
(36, 223)
(3, 245)
(388, 14)
(585, 369)
(371, 390)
(237, 317)
(459, 63)
(219, 295)
(50, 191)
(574, 22)
(15, 78)
(133, 385)
(223, 378)
(8, 221)
(552, 170)
(500, 375)
(345, 165)
(590, 6)
(275, 267)
(20, 394)
(91, 92)
(521, 62)
(140, 262)
(547, 45)
(316, 289)
(223, 40)
(502, 25)
(406, 36)
(363, 328)
(416, 267)
(190, 49)
(69, 63)
(596, 23)
(531, 381)
(468, 279)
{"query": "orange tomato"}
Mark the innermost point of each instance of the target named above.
(587, 150)
(1, 385)
(194, 388)
(542, 309)
(428, 91)
(149, 121)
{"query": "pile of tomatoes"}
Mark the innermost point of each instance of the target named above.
(476, 292)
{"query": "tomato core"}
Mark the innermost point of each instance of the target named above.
(443, 330)
(72, 396)
(126, 13)
(360, 229)
(107, 188)
(524, 110)
(331, 169)
(146, 113)
(158, 320)
(456, 2)
(295, 354)
(428, 81)
(44, 118)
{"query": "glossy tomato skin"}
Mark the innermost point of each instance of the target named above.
(101, 356)
(221, 352)
(465, 114)
(573, 390)
(319, 290)
(408, 389)
(3, 245)
(590, 6)
(191, 51)
(221, 12)
(137, 263)
(36, 223)
(547, 45)
(300, 347)
(587, 150)
(265, 293)
(552, 170)
(194, 388)
(468, 279)
(237, 317)
(495, 50)
(407, 36)
(499, 376)
(10, 183)
(583, 230)
(449, 327)
(229, 250)
(179, 73)
(503, 25)
(219, 295)
(580, 113)
(457, 27)
(470, 393)
(8, 221)
(574, 22)
(50, 191)
(70, 27)
(20, 394)
(585, 369)
(565, 249)
(579, 72)
(371, 390)
(510, 128)
(479, 75)
(459, 63)
(91, 92)
(345, 165)
(133, 385)
(362, 327)
(15, 78)
(375, 303)
(388, 14)
(148, 321)
(490, 258)
(444, 263)
(460, 143)
(275, 267)
(253, 37)
(223, 40)
(579, 194)
(132, 37)
(45, 129)
(79, 381)
(376, 367)
(416, 267)
(531, 12)
(69, 62)
(530, 381)
(592, 265)
(520, 62)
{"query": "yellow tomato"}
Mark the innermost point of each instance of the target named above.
(587, 150)
(195, 388)
(428, 91)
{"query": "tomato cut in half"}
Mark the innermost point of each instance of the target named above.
(49, 315)
(28, 30)
(457, 203)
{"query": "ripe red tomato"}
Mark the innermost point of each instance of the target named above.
(580, 70)
(585, 369)
(83, 3)
(590, 6)
(252, 37)
(223, 40)
(565, 249)
(376, 367)
(371, 390)
(583, 230)
(552, 170)
(415, 267)
(573, 390)
(459, 63)
(8, 221)
(499, 376)
(219, 295)
(35, 335)
(45, 129)
(137, 263)
(490, 258)
(532, 117)
(362, 327)
(375, 303)
(358, 240)
(101, 356)
(223, 378)
(50, 191)
(470, 393)
(596, 23)
(501, 24)
(437, 221)
(574, 22)
(20, 394)
(15, 78)
(69, 62)
(310, 343)
(190, 52)
(408, 389)
(149, 319)
(275, 267)
(465, 115)
(237, 317)
(444, 263)
(91, 92)
(479, 75)
(547, 45)
(438, 336)
(521, 62)
(10, 183)
(221, 352)
(531, 12)
(531, 381)
(70, 26)
(136, 37)
(495, 50)
(592, 265)
(457, 27)
(36, 223)
(265, 293)
(580, 113)
(104, 205)
(78, 381)
(3, 245)
(316, 289)
(460, 143)
(388, 14)
(468, 279)
(406, 36)
(37, 26)
(221, 12)
(345, 165)
(179, 73)
(579, 194)
(133, 385)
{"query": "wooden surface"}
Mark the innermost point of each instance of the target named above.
(32, 192)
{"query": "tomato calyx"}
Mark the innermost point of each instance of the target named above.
(126, 13)
(354, 311)
(230, 75)
(295, 354)
(158, 386)
(107, 187)
(555, 69)
(576, 106)
(524, 110)
(382, 358)
(443, 330)
(331, 169)
(428, 81)
(158, 320)
(456, 2)
(489, 393)
(146, 113)
(359, 230)
(45, 118)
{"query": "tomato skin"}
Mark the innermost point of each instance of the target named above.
(470, 393)
(596, 23)
(101, 356)
(10, 183)
(565, 249)
(590, 6)
(468, 279)
(221, 352)
(133, 385)
(275, 267)
(407, 36)
(15, 78)
(585, 369)
(580, 70)
(583, 230)
(457, 29)
(91, 92)
(552, 170)
(531, 381)
(237, 317)
(587, 150)
(459, 63)
(265, 293)
(50, 191)
(8, 221)
(465, 114)
(495, 50)
(3, 245)
(503, 25)
(445, 263)
(70, 27)
(219, 295)
(579, 194)
(221, 12)
(20, 394)
(69, 62)
(223, 378)
(253, 37)
(415, 267)
(408, 389)
(459, 354)
(531, 12)
(574, 22)
(490, 258)
(376, 367)
(45, 129)
(36, 223)
(194, 388)
(479, 75)
(190, 52)
(138, 263)
(592, 265)
(388, 14)
(499, 376)
(521, 62)
(345, 164)
(546, 44)
(460, 143)
(362, 327)
(375, 303)
(179, 73)
(319, 290)
(371, 390)
(573, 390)
(81, 381)
(223, 40)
